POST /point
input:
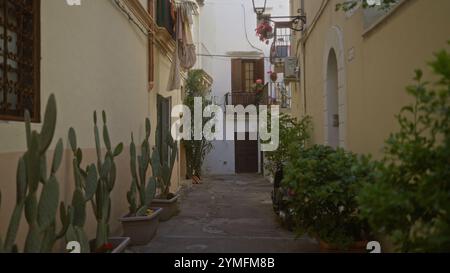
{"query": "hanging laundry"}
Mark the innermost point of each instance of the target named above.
(185, 55)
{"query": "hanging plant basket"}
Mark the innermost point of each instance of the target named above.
(265, 31)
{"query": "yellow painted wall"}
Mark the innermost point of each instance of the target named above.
(93, 58)
(383, 65)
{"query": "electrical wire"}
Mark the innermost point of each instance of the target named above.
(231, 56)
(131, 18)
(245, 29)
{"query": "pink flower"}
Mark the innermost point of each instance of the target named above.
(259, 81)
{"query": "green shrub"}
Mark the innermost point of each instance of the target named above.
(196, 150)
(324, 184)
(411, 200)
(294, 134)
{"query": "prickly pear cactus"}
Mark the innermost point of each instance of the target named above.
(140, 186)
(163, 170)
(106, 168)
(37, 190)
(86, 182)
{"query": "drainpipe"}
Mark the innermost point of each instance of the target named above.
(303, 50)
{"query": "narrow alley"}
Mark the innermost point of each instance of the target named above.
(227, 214)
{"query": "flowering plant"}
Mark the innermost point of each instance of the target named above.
(264, 31)
(106, 248)
(258, 89)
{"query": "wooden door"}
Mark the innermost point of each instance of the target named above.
(244, 73)
(246, 155)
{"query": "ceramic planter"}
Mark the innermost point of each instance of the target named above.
(357, 247)
(119, 244)
(141, 229)
(170, 207)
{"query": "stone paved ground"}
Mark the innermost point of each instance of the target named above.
(227, 214)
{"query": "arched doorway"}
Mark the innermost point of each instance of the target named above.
(332, 101)
(334, 88)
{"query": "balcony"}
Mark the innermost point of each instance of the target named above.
(246, 98)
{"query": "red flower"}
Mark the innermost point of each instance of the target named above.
(108, 246)
(259, 81)
(105, 248)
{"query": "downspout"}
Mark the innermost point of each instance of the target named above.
(303, 50)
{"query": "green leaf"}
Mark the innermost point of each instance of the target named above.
(33, 241)
(118, 150)
(33, 162)
(104, 117)
(91, 182)
(57, 157)
(73, 139)
(14, 224)
(79, 208)
(65, 218)
(48, 203)
(106, 138)
(49, 125)
(21, 181)
(82, 239)
(95, 117)
(79, 156)
(31, 208)
(43, 168)
(48, 239)
(150, 191)
(148, 128)
(106, 167)
(28, 128)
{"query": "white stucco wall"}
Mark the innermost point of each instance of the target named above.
(227, 26)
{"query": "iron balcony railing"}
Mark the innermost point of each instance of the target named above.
(247, 98)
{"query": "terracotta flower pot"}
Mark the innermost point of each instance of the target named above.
(169, 207)
(141, 229)
(118, 244)
(357, 247)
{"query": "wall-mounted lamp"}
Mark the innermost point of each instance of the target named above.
(297, 21)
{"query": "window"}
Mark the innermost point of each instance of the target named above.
(249, 75)
(163, 126)
(164, 17)
(372, 16)
(19, 59)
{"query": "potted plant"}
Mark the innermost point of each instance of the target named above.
(101, 201)
(273, 76)
(325, 184)
(264, 31)
(258, 89)
(294, 134)
(410, 201)
(37, 190)
(141, 223)
(162, 171)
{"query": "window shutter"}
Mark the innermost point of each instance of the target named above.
(236, 75)
(259, 69)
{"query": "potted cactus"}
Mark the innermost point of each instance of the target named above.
(94, 185)
(101, 202)
(37, 190)
(141, 223)
(163, 173)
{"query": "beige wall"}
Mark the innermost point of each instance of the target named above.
(375, 77)
(93, 58)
